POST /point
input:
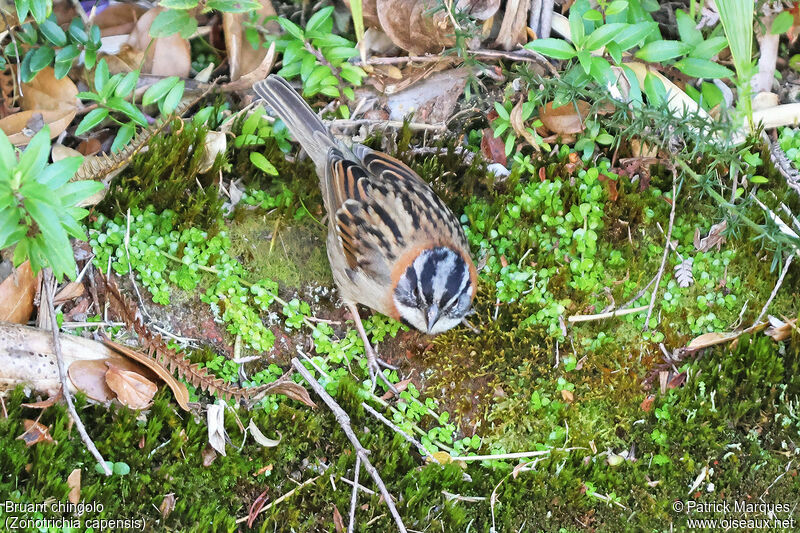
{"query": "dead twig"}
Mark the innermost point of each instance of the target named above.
(279, 500)
(354, 496)
(344, 422)
(384, 124)
(778, 284)
(62, 372)
(666, 250)
(610, 314)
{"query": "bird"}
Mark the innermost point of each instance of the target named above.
(393, 244)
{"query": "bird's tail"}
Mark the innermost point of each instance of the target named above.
(300, 119)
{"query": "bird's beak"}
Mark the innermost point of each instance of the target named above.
(433, 316)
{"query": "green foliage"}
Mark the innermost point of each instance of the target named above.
(620, 26)
(114, 98)
(318, 56)
(47, 44)
(789, 141)
(177, 17)
(38, 210)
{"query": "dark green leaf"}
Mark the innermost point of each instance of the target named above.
(654, 89)
(77, 31)
(92, 119)
(130, 110)
(11, 227)
(101, 76)
(41, 58)
(39, 10)
(53, 33)
(25, 71)
(23, 7)
(317, 75)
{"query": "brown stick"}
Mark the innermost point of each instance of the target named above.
(344, 422)
(62, 372)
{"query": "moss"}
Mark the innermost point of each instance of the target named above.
(168, 176)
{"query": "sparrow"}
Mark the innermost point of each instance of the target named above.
(393, 245)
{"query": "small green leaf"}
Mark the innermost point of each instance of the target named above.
(576, 28)
(53, 33)
(127, 84)
(654, 89)
(77, 31)
(602, 35)
(687, 28)
(703, 68)
(317, 75)
(8, 155)
(121, 469)
(555, 48)
(92, 119)
(76, 191)
(178, 4)
(59, 173)
(261, 162)
(233, 6)
(128, 109)
(291, 28)
(158, 90)
(41, 58)
(173, 98)
(101, 76)
(173, 21)
(709, 48)
(501, 111)
(658, 51)
(318, 19)
(23, 7)
(782, 23)
(593, 15)
(635, 34)
(39, 10)
(34, 158)
(758, 179)
(617, 6)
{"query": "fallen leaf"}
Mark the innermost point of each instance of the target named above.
(256, 507)
(17, 292)
(518, 124)
(164, 56)
(44, 404)
(35, 433)
(215, 144)
(118, 19)
(242, 57)
(400, 386)
(647, 403)
(512, 30)
(263, 470)
(209, 456)
(132, 389)
(216, 427)
(259, 437)
(493, 148)
(68, 292)
(17, 127)
(291, 390)
(46, 93)
(566, 119)
(74, 484)
(338, 523)
(567, 396)
(441, 456)
(710, 339)
(167, 504)
(714, 238)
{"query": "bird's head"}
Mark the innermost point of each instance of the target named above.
(435, 292)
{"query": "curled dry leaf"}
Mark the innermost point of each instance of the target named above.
(16, 294)
(291, 390)
(493, 148)
(35, 433)
(68, 292)
(512, 30)
(260, 438)
(164, 56)
(338, 523)
(44, 404)
(45, 92)
(132, 389)
(565, 119)
(74, 484)
(518, 124)
(209, 456)
(216, 427)
(411, 25)
(89, 377)
(714, 238)
(215, 144)
(256, 507)
(245, 82)
(20, 127)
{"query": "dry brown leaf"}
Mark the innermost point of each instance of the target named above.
(518, 124)
(178, 389)
(44, 404)
(411, 25)
(400, 386)
(338, 523)
(20, 127)
(567, 396)
(217, 436)
(647, 403)
(493, 148)
(16, 294)
(167, 505)
(45, 92)
(711, 339)
(118, 19)
(132, 389)
(241, 55)
(565, 119)
(209, 455)
(714, 238)
(35, 433)
(89, 377)
(70, 291)
(291, 390)
(165, 56)
(256, 507)
(260, 72)
(74, 484)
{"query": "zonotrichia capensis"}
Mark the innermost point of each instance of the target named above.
(393, 245)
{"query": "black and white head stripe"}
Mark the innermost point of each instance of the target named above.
(438, 279)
